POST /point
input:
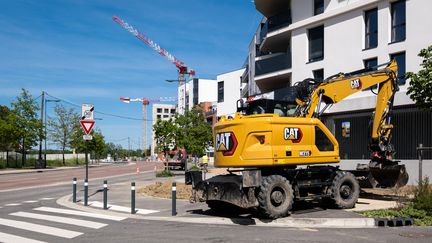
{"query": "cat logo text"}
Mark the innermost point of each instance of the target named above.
(226, 142)
(293, 133)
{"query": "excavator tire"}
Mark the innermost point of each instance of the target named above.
(344, 190)
(275, 197)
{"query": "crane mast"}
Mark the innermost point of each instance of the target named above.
(145, 102)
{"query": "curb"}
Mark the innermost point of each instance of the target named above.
(283, 222)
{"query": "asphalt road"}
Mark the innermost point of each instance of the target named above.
(28, 212)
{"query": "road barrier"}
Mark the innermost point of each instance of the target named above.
(85, 192)
(174, 191)
(105, 195)
(74, 187)
(133, 198)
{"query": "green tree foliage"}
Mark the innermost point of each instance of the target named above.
(165, 134)
(96, 146)
(28, 125)
(420, 85)
(61, 127)
(195, 134)
(189, 131)
(8, 133)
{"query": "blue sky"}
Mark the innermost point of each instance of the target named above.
(74, 51)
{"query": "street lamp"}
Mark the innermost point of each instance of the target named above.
(45, 125)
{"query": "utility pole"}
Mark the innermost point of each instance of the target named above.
(39, 163)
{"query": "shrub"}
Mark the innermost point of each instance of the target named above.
(164, 173)
(423, 196)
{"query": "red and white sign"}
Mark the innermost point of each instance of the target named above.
(87, 125)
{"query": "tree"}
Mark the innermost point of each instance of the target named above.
(8, 134)
(61, 127)
(195, 134)
(420, 85)
(28, 125)
(96, 145)
(165, 134)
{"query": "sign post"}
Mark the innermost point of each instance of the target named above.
(87, 123)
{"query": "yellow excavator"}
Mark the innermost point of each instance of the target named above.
(279, 151)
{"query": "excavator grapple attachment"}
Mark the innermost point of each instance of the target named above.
(389, 174)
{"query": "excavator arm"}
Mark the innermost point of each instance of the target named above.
(336, 88)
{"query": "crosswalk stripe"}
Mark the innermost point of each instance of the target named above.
(46, 198)
(12, 204)
(64, 220)
(80, 213)
(122, 209)
(8, 238)
(48, 230)
(30, 201)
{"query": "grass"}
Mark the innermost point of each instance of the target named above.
(419, 208)
(164, 173)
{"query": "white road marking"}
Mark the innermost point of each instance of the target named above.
(12, 204)
(46, 198)
(122, 209)
(30, 201)
(79, 213)
(69, 234)
(7, 238)
(57, 219)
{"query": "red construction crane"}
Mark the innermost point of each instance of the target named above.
(145, 103)
(182, 68)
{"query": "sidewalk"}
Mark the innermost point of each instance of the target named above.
(303, 215)
(9, 171)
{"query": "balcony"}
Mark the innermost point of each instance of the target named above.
(275, 22)
(271, 7)
(273, 63)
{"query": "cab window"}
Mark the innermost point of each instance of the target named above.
(322, 142)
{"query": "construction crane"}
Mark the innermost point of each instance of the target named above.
(145, 102)
(182, 68)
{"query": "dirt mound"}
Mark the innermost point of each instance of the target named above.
(163, 190)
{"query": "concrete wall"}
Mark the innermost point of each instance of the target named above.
(231, 92)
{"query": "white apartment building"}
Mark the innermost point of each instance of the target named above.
(194, 92)
(161, 112)
(229, 88)
(299, 39)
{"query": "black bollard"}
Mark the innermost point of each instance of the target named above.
(74, 187)
(133, 198)
(85, 192)
(105, 195)
(174, 191)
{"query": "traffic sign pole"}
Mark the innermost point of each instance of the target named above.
(86, 159)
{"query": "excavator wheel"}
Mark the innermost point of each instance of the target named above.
(275, 197)
(344, 190)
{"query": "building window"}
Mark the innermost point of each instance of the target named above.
(398, 21)
(173, 111)
(316, 43)
(318, 7)
(371, 28)
(371, 64)
(318, 74)
(159, 110)
(165, 116)
(221, 91)
(195, 91)
(166, 110)
(159, 116)
(400, 59)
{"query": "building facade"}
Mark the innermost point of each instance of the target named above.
(161, 112)
(301, 39)
(229, 88)
(194, 92)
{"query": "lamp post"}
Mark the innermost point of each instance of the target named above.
(45, 125)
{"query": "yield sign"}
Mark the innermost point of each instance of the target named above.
(87, 125)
